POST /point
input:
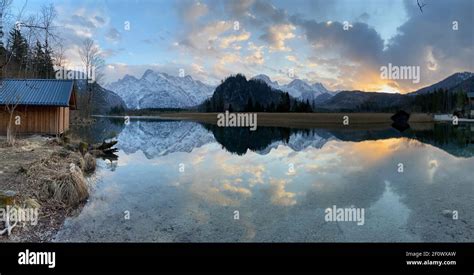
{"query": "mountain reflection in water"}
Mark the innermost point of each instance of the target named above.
(157, 138)
(280, 180)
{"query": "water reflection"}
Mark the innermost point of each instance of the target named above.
(239, 140)
(280, 181)
(102, 129)
(157, 138)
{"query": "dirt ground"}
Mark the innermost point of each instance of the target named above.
(15, 162)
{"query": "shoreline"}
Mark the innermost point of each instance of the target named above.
(47, 175)
(298, 120)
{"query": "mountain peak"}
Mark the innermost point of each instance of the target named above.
(128, 77)
(297, 80)
(263, 77)
(297, 88)
(298, 83)
(319, 86)
(160, 90)
(147, 72)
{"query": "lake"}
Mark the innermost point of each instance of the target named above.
(181, 181)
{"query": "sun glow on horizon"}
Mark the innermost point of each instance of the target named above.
(389, 90)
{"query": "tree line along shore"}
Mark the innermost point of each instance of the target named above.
(307, 120)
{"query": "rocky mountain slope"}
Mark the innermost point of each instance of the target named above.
(103, 100)
(160, 90)
(298, 88)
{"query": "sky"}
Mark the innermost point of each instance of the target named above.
(284, 39)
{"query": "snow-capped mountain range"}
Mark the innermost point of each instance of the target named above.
(160, 90)
(298, 88)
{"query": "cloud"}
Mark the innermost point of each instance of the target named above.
(85, 21)
(278, 194)
(207, 45)
(291, 58)
(99, 19)
(364, 17)
(428, 40)
(206, 37)
(238, 8)
(106, 53)
(113, 35)
(192, 11)
(80, 22)
(220, 48)
(256, 55)
(266, 12)
(276, 36)
(228, 40)
(229, 59)
(76, 24)
(361, 43)
(197, 69)
(255, 13)
(234, 189)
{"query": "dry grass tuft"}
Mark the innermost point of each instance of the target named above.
(59, 181)
(89, 163)
(70, 187)
(32, 203)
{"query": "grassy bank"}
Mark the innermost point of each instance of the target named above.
(309, 120)
(47, 174)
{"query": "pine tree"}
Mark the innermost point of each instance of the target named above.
(249, 107)
(48, 63)
(41, 61)
(287, 102)
(37, 61)
(272, 107)
(208, 106)
(18, 47)
(308, 108)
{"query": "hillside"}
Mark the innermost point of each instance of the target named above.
(434, 98)
(236, 93)
(363, 101)
(447, 83)
(103, 100)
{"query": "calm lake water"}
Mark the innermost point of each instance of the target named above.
(183, 181)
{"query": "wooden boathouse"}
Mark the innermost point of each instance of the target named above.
(41, 106)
